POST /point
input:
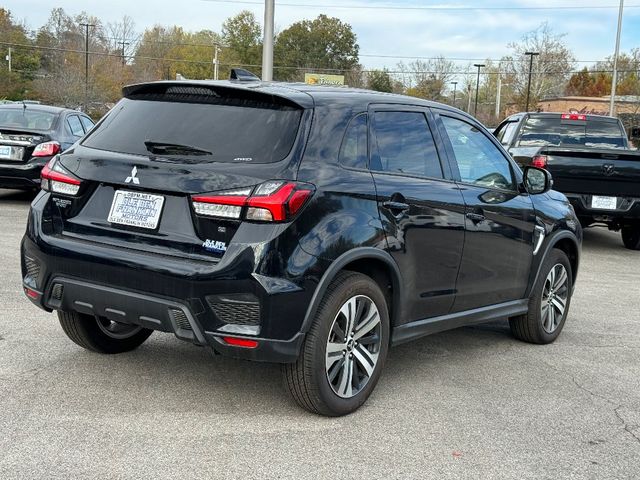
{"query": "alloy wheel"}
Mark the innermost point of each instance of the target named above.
(353, 346)
(555, 295)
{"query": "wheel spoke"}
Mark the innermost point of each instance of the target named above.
(348, 310)
(335, 347)
(337, 368)
(368, 324)
(545, 316)
(559, 303)
(552, 318)
(345, 387)
(560, 279)
(365, 359)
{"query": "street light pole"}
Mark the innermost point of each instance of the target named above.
(614, 80)
(478, 66)
(455, 84)
(86, 63)
(267, 44)
(531, 55)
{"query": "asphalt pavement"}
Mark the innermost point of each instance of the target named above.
(469, 403)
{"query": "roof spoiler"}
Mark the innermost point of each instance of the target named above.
(242, 75)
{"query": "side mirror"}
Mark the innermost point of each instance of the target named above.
(537, 180)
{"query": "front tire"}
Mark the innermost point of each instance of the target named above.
(549, 302)
(631, 236)
(101, 335)
(345, 349)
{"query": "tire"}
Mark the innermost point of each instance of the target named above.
(103, 337)
(631, 236)
(544, 322)
(319, 381)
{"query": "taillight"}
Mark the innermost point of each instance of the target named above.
(55, 178)
(240, 342)
(46, 149)
(573, 116)
(271, 201)
(539, 161)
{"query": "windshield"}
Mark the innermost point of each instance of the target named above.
(592, 133)
(246, 133)
(25, 118)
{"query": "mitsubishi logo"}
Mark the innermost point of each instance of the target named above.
(608, 168)
(133, 178)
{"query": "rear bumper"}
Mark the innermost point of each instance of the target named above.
(22, 175)
(166, 293)
(628, 208)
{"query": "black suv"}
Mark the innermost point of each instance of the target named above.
(309, 226)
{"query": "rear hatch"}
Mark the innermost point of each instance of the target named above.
(172, 167)
(21, 129)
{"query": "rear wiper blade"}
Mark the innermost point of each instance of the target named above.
(162, 148)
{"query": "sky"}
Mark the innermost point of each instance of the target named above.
(385, 35)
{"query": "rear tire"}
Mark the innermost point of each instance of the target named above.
(100, 335)
(549, 302)
(631, 236)
(345, 349)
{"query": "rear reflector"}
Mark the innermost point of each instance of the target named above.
(31, 293)
(240, 342)
(539, 161)
(46, 149)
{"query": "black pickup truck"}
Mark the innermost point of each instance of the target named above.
(591, 163)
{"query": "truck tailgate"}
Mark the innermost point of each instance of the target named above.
(595, 171)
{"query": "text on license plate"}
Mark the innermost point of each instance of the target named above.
(136, 209)
(604, 203)
(5, 152)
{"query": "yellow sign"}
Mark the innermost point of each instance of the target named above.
(321, 79)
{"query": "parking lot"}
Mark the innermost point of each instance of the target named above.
(470, 403)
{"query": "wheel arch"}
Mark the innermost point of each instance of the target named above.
(565, 241)
(373, 262)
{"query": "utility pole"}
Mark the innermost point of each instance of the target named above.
(8, 57)
(455, 84)
(123, 44)
(478, 66)
(469, 98)
(531, 55)
(498, 92)
(86, 63)
(267, 44)
(215, 61)
(614, 80)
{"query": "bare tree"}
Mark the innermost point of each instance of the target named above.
(427, 78)
(551, 68)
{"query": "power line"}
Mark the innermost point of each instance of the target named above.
(460, 8)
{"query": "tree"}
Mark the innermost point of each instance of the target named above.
(241, 35)
(15, 85)
(325, 45)
(551, 69)
(427, 79)
(380, 80)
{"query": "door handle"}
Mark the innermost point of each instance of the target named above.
(398, 206)
(475, 217)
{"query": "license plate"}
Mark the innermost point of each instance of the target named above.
(604, 203)
(5, 152)
(136, 209)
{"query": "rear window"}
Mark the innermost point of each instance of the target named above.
(243, 132)
(25, 118)
(594, 133)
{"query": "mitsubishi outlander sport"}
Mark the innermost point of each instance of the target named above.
(309, 226)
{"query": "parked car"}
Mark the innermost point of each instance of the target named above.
(308, 226)
(30, 135)
(591, 163)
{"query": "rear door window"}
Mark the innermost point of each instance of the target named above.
(87, 123)
(241, 131)
(405, 145)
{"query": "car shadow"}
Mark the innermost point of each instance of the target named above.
(601, 239)
(18, 195)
